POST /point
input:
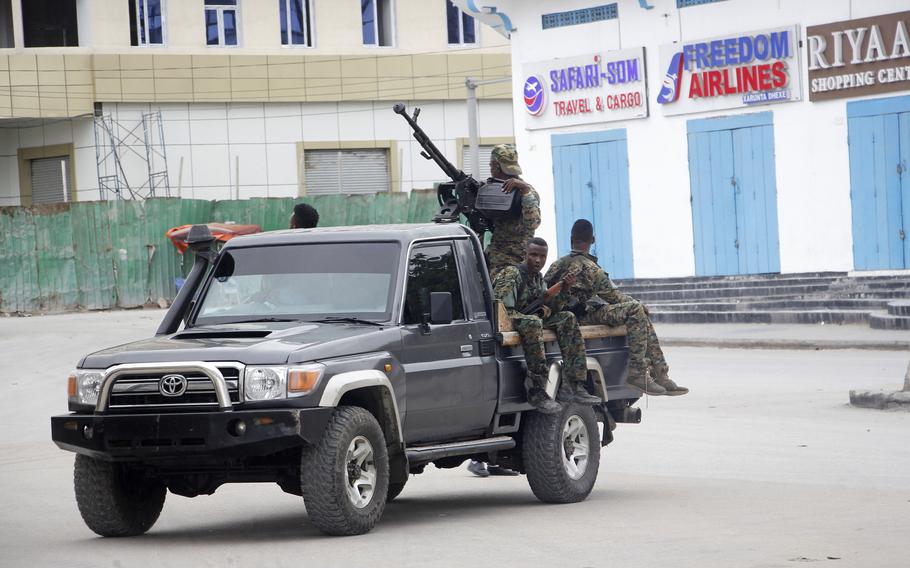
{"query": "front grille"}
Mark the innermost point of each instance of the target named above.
(141, 389)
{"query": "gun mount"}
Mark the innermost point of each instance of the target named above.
(481, 204)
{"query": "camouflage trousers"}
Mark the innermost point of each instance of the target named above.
(530, 329)
(644, 348)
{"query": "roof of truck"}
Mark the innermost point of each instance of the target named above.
(359, 233)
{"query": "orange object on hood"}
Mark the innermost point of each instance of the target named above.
(221, 231)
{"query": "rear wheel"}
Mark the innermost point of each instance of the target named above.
(562, 454)
(345, 477)
(115, 500)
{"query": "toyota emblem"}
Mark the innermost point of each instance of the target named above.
(172, 385)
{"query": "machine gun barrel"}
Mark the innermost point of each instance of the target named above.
(431, 152)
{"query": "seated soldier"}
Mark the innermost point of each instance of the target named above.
(597, 301)
(518, 287)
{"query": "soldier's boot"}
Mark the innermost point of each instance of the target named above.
(565, 393)
(672, 388)
(642, 381)
(542, 401)
(582, 396)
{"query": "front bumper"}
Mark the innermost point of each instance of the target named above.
(199, 434)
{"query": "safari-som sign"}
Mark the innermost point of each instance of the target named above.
(577, 90)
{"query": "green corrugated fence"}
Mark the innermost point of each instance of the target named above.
(104, 254)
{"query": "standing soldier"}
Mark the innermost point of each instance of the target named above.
(507, 246)
(518, 287)
(597, 301)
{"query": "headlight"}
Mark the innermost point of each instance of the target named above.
(84, 386)
(265, 383)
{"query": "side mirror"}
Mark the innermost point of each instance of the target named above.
(441, 307)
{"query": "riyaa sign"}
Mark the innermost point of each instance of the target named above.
(586, 89)
(859, 57)
(745, 69)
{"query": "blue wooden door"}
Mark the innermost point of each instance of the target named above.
(591, 181)
(734, 195)
(879, 140)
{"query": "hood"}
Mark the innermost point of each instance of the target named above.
(273, 343)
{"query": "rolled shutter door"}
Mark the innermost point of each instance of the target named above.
(347, 171)
(484, 153)
(49, 179)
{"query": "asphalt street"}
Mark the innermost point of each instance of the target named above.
(764, 464)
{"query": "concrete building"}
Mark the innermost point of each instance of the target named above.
(220, 99)
(709, 137)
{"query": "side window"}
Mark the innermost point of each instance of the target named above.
(431, 269)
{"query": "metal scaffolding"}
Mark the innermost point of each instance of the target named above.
(116, 143)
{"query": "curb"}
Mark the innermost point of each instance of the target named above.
(812, 345)
(881, 400)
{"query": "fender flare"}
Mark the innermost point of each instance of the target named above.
(342, 383)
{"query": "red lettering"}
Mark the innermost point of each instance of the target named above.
(750, 79)
(713, 83)
(764, 77)
(729, 88)
(695, 87)
(779, 70)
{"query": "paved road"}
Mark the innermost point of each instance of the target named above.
(763, 465)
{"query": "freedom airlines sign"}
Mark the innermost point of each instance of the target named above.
(747, 69)
(600, 87)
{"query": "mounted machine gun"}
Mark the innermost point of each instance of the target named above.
(481, 203)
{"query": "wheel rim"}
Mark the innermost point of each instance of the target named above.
(360, 472)
(575, 447)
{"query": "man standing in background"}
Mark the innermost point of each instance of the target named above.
(304, 216)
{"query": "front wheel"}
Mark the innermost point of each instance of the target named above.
(562, 454)
(114, 500)
(345, 477)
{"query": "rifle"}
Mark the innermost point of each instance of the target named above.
(464, 195)
(551, 292)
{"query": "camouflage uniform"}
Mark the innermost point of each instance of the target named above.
(507, 246)
(604, 304)
(517, 288)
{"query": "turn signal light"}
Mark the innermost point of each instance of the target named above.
(71, 386)
(303, 380)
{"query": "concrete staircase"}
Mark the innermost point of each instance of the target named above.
(883, 302)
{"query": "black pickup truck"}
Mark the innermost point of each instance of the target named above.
(334, 362)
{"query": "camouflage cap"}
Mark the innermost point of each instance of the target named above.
(507, 157)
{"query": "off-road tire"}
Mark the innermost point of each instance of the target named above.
(323, 474)
(395, 490)
(114, 501)
(543, 454)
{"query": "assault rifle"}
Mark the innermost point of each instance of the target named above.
(535, 306)
(481, 204)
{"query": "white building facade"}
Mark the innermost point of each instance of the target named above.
(228, 99)
(717, 137)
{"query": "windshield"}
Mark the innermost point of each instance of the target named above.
(301, 282)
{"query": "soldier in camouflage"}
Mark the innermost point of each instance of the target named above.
(597, 301)
(517, 287)
(507, 246)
